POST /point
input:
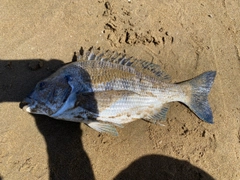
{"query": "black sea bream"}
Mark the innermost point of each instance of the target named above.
(107, 89)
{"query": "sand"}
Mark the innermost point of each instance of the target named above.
(185, 38)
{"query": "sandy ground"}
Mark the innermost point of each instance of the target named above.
(186, 38)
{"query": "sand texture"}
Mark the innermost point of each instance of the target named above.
(185, 38)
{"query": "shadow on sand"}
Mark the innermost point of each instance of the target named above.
(158, 167)
(66, 156)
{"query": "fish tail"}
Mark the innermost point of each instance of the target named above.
(198, 101)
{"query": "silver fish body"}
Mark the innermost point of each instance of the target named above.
(107, 89)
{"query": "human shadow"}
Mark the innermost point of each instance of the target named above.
(158, 167)
(66, 156)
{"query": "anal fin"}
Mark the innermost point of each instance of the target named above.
(161, 114)
(102, 127)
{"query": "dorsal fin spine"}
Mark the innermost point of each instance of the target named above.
(148, 68)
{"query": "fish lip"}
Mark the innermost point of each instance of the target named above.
(26, 108)
(22, 104)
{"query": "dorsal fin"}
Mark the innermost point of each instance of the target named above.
(142, 66)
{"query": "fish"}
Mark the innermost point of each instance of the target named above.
(106, 89)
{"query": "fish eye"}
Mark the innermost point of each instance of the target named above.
(41, 85)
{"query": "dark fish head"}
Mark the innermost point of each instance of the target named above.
(48, 95)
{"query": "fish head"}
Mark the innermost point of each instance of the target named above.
(49, 95)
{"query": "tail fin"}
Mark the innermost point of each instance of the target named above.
(200, 87)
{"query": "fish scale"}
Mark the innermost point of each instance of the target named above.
(124, 78)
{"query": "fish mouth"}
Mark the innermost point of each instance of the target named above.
(25, 106)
